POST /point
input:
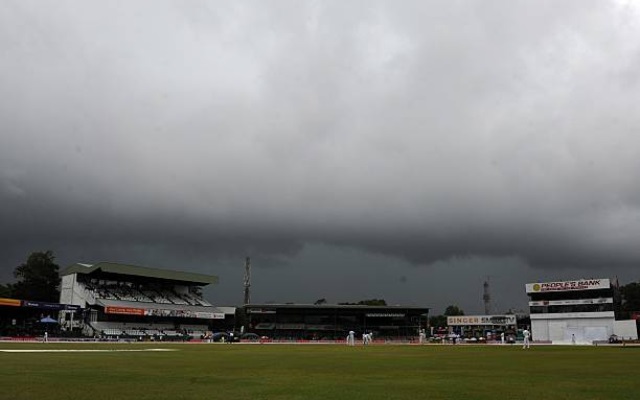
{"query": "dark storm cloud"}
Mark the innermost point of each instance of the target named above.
(426, 131)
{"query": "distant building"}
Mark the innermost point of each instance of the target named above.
(333, 322)
(581, 309)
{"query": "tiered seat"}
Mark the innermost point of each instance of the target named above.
(190, 300)
(177, 300)
(112, 332)
(131, 293)
(203, 302)
(104, 293)
(155, 297)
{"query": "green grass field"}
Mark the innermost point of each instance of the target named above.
(218, 371)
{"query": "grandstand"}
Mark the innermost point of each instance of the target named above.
(334, 321)
(580, 311)
(127, 301)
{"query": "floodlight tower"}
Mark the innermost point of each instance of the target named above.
(486, 298)
(247, 281)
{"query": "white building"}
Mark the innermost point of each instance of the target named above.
(580, 311)
(120, 300)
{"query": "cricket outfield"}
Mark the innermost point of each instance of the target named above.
(239, 371)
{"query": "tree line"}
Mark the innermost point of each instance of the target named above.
(36, 279)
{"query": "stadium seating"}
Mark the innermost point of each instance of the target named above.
(137, 331)
(131, 293)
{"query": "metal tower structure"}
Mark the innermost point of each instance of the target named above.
(486, 297)
(247, 281)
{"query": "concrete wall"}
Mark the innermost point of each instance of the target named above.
(566, 329)
(66, 288)
(74, 292)
(626, 330)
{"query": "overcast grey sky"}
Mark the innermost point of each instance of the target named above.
(354, 149)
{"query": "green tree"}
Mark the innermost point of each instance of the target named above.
(5, 290)
(38, 278)
(373, 302)
(630, 297)
(438, 321)
(370, 302)
(453, 310)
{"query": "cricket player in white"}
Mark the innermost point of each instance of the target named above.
(351, 339)
(502, 337)
(526, 334)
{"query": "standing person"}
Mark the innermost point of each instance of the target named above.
(573, 338)
(502, 338)
(526, 334)
(46, 336)
(351, 339)
(365, 339)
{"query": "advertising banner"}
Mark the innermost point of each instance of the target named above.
(159, 312)
(602, 300)
(10, 302)
(464, 320)
(261, 311)
(565, 286)
(37, 304)
(124, 310)
(42, 304)
(208, 315)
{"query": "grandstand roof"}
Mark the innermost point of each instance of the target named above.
(134, 270)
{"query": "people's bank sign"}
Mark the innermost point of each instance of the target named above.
(565, 286)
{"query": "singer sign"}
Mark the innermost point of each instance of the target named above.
(468, 320)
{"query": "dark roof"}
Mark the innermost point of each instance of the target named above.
(134, 270)
(338, 306)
